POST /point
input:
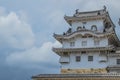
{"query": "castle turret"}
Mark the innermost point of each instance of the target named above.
(90, 48)
(90, 45)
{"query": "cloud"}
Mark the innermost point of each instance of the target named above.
(2, 11)
(35, 57)
(14, 32)
(55, 18)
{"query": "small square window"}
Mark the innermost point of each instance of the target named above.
(118, 61)
(96, 42)
(78, 58)
(72, 44)
(84, 43)
(90, 58)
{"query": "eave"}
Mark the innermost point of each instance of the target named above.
(115, 38)
(109, 19)
(59, 51)
(70, 19)
(80, 33)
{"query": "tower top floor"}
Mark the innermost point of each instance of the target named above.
(90, 24)
(90, 16)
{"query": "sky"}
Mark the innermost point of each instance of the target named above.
(26, 33)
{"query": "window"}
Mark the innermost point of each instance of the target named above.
(94, 28)
(118, 61)
(84, 43)
(78, 58)
(98, 13)
(96, 42)
(72, 44)
(90, 58)
(79, 28)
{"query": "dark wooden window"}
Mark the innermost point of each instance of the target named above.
(84, 43)
(90, 58)
(78, 58)
(118, 61)
(72, 44)
(94, 27)
(79, 28)
(96, 42)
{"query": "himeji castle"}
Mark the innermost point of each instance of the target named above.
(90, 48)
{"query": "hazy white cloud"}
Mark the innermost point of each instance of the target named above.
(2, 11)
(55, 18)
(14, 32)
(67, 3)
(34, 56)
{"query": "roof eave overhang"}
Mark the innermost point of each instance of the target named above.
(70, 19)
(61, 37)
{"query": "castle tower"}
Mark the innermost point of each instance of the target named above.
(90, 45)
(90, 48)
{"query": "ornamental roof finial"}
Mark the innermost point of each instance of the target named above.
(104, 7)
(76, 11)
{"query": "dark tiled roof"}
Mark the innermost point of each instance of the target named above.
(75, 75)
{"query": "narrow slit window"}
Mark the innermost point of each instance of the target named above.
(90, 58)
(72, 44)
(84, 43)
(96, 42)
(78, 58)
(118, 61)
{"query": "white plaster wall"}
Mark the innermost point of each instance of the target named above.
(88, 14)
(84, 63)
(90, 43)
(112, 61)
(66, 44)
(103, 42)
(98, 23)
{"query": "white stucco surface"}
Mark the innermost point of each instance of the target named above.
(98, 23)
(103, 42)
(84, 63)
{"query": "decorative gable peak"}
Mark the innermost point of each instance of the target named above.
(90, 13)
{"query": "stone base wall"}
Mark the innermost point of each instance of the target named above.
(82, 71)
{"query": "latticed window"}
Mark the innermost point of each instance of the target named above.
(79, 28)
(94, 27)
(118, 61)
(72, 44)
(78, 58)
(96, 42)
(90, 58)
(84, 43)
